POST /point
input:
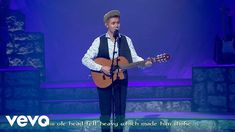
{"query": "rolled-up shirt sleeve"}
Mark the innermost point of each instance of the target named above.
(135, 57)
(91, 54)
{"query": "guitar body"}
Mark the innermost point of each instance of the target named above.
(102, 80)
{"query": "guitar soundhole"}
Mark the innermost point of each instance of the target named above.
(103, 77)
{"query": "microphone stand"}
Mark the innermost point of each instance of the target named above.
(113, 68)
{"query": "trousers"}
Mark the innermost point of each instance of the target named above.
(105, 104)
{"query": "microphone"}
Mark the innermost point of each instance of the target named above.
(116, 33)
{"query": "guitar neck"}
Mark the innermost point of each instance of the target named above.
(160, 58)
(133, 65)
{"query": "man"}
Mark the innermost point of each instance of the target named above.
(103, 47)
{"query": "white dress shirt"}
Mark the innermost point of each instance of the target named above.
(92, 52)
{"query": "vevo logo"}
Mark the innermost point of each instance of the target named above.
(23, 121)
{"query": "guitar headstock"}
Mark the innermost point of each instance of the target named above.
(161, 58)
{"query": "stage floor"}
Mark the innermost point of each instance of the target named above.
(162, 115)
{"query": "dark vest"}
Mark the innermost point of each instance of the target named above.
(123, 47)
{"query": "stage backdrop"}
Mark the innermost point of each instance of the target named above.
(183, 28)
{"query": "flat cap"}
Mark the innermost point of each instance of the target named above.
(112, 13)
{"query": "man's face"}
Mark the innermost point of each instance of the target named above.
(112, 24)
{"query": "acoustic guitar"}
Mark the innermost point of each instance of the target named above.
(103, 80)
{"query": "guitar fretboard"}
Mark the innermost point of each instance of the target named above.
(160, 58)
(133, 65)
